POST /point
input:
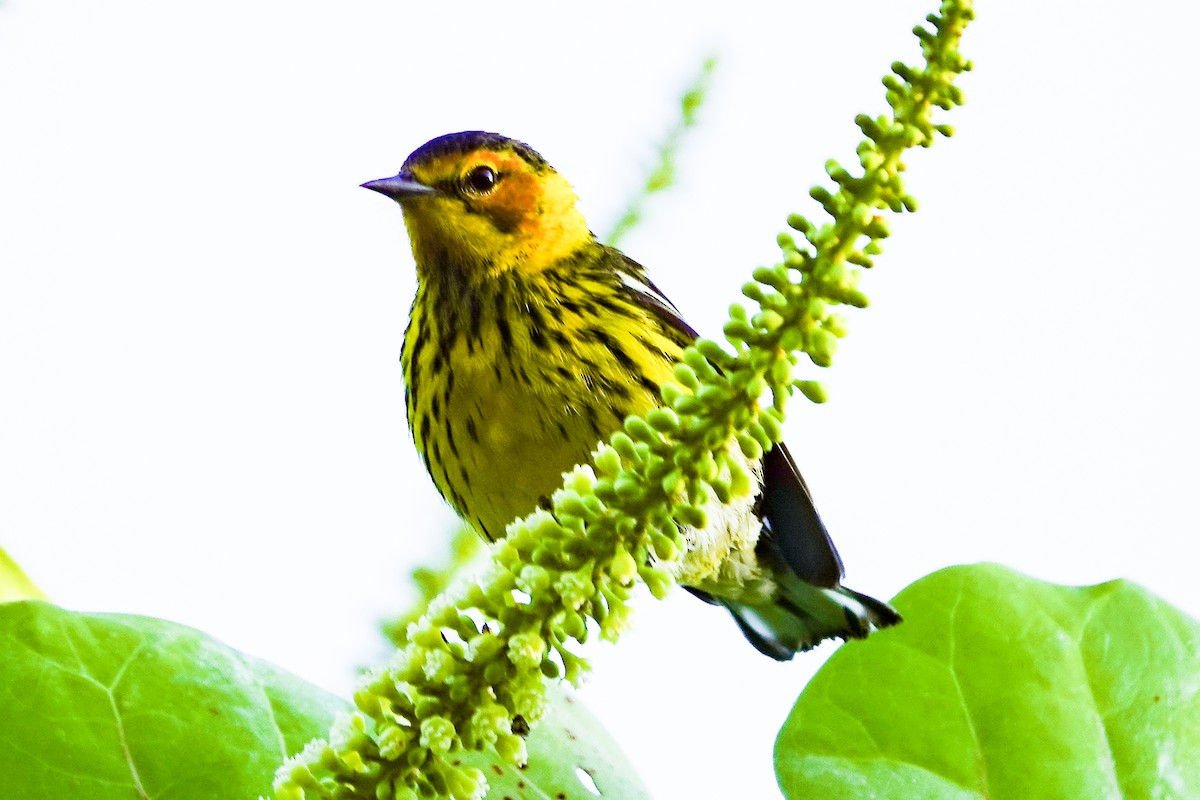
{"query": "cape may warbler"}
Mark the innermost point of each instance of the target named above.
(529, 341)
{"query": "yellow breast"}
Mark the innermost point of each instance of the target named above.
(508, 392)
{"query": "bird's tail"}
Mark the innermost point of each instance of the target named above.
(810, 604)
(802, 614)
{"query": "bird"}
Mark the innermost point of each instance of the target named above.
(529, 341)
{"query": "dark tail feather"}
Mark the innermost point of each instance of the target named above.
(811, 604)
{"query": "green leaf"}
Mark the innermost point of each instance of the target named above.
(568, 750)
(119, 707)
(14, 583)
(1001, 686)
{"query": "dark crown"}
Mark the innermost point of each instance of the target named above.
(467, 141)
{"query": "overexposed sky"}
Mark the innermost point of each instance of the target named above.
(201, 407)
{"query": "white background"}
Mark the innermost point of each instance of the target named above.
(201, 412)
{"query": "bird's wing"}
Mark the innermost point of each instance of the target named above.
(643, 292)
(787, 506)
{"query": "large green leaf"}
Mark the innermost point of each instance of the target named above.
(118, 707)
(1001, 686)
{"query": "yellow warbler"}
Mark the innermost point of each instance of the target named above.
(529, 341)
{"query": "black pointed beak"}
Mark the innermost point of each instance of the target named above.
(398, 187)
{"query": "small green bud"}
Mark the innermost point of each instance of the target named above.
(740, 483)
(656, 469)
(771, 425)
(570, 624)
(488, 720)
(640, 431)
(836, 324)
(495, 673)
(438, 734)
(796, 259)
(821, 346)
(714, 352)
(526, 650)
(750, 447)
(799, 222)
(605, 494)
(568, 502)
(790, 340)
(581, 479)
(813, 390)
(607, 460)
(658, 581)
(624, 445)
(425, 637)
(622, 567)
(300, 774)
(663, 420)
(664, 547)
(858, 258)
(533, 579)
(511, 748)
(368, 701)
(776, 277)
(768, 320)
(855, 298)
(628, 487)
(734, 329)
(549, 558)
(392, 741)
(672, 483)
(439, 666)
(671, 393)
(752, 290)
(575, 587)
(699, 363)
(483, 647)
(427, 706)
(464, 784)
(435, 780)
(687, 404)
(687, 376)
(713, 395)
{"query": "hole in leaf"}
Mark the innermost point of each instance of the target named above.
(585, 778)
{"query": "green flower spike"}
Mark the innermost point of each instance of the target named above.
(474, 680)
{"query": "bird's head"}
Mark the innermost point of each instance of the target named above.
(480, 205)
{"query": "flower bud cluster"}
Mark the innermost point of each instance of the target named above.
(475, 664)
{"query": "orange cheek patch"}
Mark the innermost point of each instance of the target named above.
(514, 205)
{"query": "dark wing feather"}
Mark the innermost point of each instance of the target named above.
(793, 523)
(790, 518)
(642, 291)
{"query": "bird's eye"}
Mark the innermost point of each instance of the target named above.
(480, 180)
